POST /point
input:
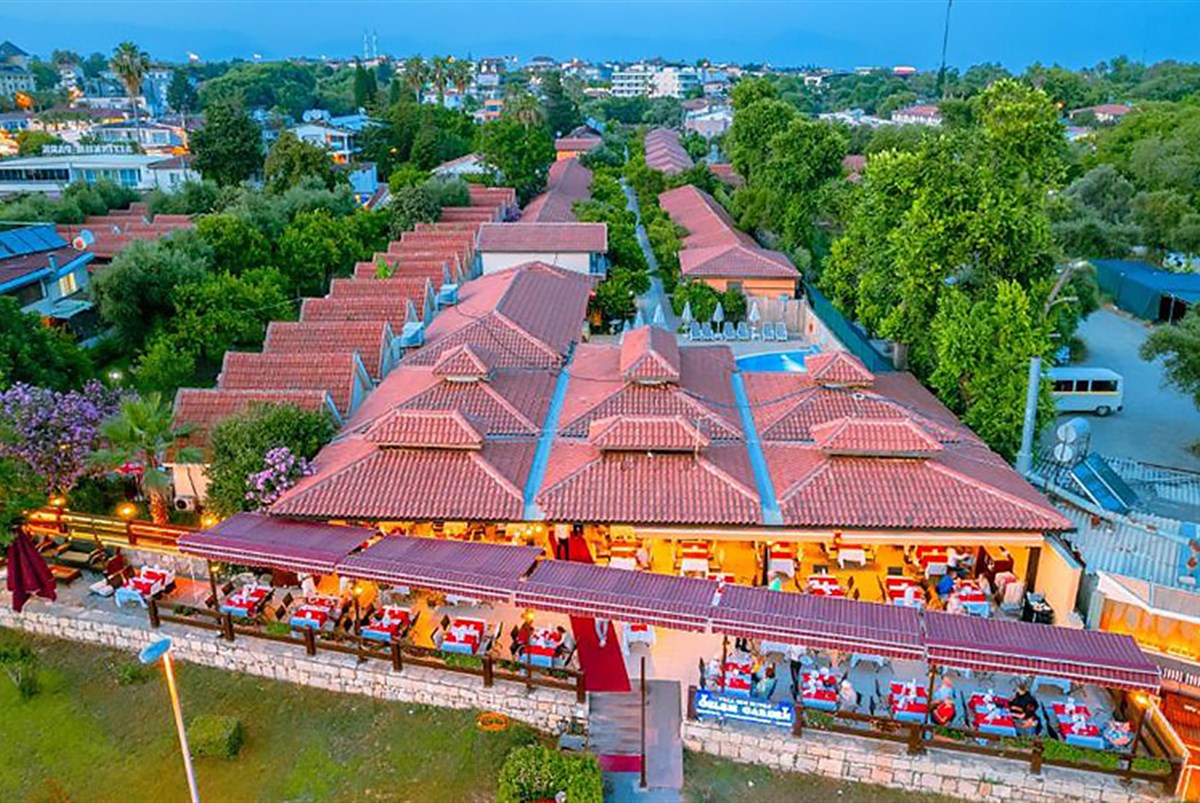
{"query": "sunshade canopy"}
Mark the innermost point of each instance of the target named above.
(278, 543)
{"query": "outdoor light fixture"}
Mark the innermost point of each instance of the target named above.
(152, 654)
(58, 500)
(127, 510)
(209, 520)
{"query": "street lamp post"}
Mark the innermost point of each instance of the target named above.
(161, 649)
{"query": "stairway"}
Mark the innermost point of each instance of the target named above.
(614, 735)
(603, 666)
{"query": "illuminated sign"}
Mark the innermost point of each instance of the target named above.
(711, 705)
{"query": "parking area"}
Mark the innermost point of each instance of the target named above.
(1158, 422)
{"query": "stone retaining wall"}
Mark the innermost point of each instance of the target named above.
(548, 710)
(970, 777)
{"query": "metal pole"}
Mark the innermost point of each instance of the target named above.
(183, 743)
(1025, 455)
(645, 783)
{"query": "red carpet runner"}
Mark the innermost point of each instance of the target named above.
(603, 667)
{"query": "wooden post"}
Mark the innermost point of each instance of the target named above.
(528, 671)
(929, 694)
(1137, 734)
(488, 669)
(152, 610)
(397, 659)
(581, 688)
(1035, 760)
(691, 703)
(227, 626)
(212, 583)
(310, 641)
(798, 718)
(645, 782)
(724, 658)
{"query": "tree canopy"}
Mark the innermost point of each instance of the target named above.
(228, 148)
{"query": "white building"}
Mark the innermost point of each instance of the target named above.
(674, 82)
(338, 141)
(579, 247)
(51, 174)
(921, 114)
(634, 82)
(151, 136)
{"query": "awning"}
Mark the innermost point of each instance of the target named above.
(278, 543)
(482, 571)
(642, 597)
(1085, 656)
(823, 623)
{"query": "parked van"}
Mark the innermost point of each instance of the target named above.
(1088, 390)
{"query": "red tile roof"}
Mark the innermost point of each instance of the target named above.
(899, 437)
(431, 429)
(837, 368)
(735, 261)
(204, 408)
(115, 231)
(548, 238)
(577, 143)
(18, 267)
(568, 182)
(465, 361)
(361, 308)
(418, 289)
(646, 433)
(725, 173)
(665, 153)
(336, 374)
(650, 354)
(369, 339)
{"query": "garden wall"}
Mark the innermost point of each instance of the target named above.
(888, 764)
(548, 710)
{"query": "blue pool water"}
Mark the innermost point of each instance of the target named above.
(776, 361)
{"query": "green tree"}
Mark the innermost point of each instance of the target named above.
(94, 65)
(523, 154)
(134, 293)
(20, 490)
(229, 147)
(314, 248)
(131, 64)
(1178, 345)
(141, 433)
(753, 129)
(236, 244)
(181, 95)
(1160, 215)
(36, 354)
(164, 367)
(291, 160)
(30, 143)
(410, 206)
(224, 312)
(983, 349)
(365, 87)
(749, 91)
(415, 74)
(561, 112)
(407, 175)
(238, 443)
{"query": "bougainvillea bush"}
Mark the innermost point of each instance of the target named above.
(281, 471)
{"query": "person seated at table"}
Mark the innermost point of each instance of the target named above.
(521, 639)
(1118, 734)
(1024, 708)
(776, 583)
(945, 585)
(848, 695)
(764, 687)
(566, 642)
(943, 712)
(642, 558)
(955, 605)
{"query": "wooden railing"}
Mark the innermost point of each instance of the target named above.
(106, 530)
(399, 654)
(918, 737)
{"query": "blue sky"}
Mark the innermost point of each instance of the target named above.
(842, 34)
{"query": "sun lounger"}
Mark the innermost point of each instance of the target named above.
(706, 332)
(781, 332)
(728, 332)
(768, 332)
(694, 332)
(743, 331)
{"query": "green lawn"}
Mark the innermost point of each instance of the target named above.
(89, 737)
(708, 779)
(86, 737)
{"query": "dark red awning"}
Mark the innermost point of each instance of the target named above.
(584, 590)
(486, 571)
(1085, 656)
(823, 623)
(278, 543)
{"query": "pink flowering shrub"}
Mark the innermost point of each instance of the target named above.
(281, 470)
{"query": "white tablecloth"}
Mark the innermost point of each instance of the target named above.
(782, 566)
(699, 565)
(852, 554)
(623, 563)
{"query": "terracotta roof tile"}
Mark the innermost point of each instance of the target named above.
(837, 368)
(465, 361)
(577, 143)
(646, 433)
(650, 354)
(568, 182)
(335, 374)
(544, 238)
(735, 261)
(898, 437)
(369, 339)
(432, 429)
(204, 408)
(665, 153)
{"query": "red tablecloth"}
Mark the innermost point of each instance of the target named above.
(977, 701)
(623, 549)
(1061, 712)
(898, 689)
(1002, 719)
(1088, 730)
(824, 585)
(466, 631)
(970, 594)
(693, 549)
(312, 613)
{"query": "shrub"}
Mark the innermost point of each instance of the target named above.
(20, 663)
(215, 736)
(536, 773)
(131, 674)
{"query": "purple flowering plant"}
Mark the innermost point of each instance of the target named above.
(281, 470)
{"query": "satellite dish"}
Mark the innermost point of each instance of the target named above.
(83, 240)
(1064, 452)
(1073, 430)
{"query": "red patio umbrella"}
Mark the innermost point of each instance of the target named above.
(28, 573)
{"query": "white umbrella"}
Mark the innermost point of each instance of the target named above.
(718, 313)
(624, 326)
(659, 319)
(755, 315)
(687, 313)
(638, 320)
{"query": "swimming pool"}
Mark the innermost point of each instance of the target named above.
(790, 362)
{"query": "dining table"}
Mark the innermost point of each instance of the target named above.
(246, 601)
(910, 701)
(781, 559)
(819, 690)
(824, 585)
(388, 625)
(995, 720)
(1067, 710)
(636, 633)
(314, 613)
(465, 636)
(905, 592)
(973, 599)
(623, 555)
(1081, 733)
(149, 581)
(693, 557)
(543, 646)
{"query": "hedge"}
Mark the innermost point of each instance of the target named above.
(539, 773)
(215, 736)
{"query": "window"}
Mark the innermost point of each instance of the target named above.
(1081, 386)
(1104, 386)
(129, 178)
(67, 285)
(1063, 385)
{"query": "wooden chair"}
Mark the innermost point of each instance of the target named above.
(855, 594)
(850, 584)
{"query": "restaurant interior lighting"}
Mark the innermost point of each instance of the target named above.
(58, 500)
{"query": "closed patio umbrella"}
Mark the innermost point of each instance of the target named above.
(718, 313)
(687, 313)
(28, 573)
(755, 315)
(658, 319)
(639, 320)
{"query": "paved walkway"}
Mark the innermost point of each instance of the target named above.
(1158, 422)
(656, 295)
(614, 726)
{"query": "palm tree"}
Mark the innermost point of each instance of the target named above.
(141, 432)
(439, 74)
(461, 73)
(131, 65)
(525, 109)
(415, 74)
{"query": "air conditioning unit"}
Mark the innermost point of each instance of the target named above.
(185, 503)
